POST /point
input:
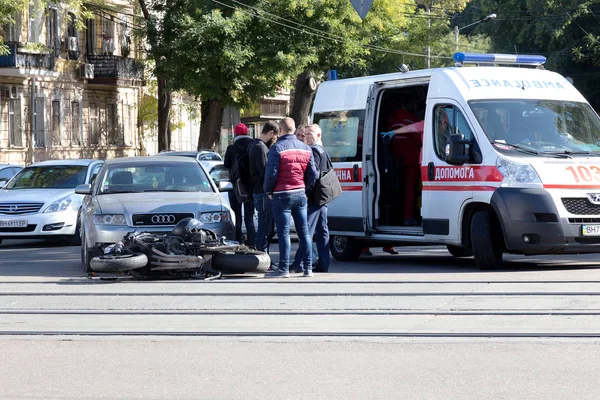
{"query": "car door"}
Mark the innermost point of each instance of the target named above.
(446, 187)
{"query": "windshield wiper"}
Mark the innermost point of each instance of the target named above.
(577, 153)
(527, 150)
(120, 192)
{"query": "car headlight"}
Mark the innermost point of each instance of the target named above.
(109, 219)
(515, 173)
(215, 217)
(59, 205)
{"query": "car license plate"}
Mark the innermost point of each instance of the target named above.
(590, 230)
(13, 223)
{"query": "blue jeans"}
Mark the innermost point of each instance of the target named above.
(317, 227)
(286, 205)
(264, 230)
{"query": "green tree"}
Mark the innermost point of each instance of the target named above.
(224, 55)
(567, 32)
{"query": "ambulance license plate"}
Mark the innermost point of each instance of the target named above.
(13, 223)
(590, 230)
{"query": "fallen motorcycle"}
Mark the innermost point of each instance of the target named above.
(189, 251)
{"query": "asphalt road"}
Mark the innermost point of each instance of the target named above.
(416, 325)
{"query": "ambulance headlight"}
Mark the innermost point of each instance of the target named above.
(516, 173)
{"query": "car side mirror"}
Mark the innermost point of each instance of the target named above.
(2, 183)
(84, 189)
(456, 150)
(225, 186)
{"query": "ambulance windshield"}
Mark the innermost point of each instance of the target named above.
(544, 126)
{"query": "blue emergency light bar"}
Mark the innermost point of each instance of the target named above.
(472, 58)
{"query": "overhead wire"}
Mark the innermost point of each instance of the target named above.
(315, 32)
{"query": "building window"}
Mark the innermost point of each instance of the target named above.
(39, 121)
(124, 39)
(108, 36)
(11, 33)
(90, 37)
(76, 139)
(56, 131)
(52, 34)
(94, 124)
(36, 21)
(112, 125)
(14, 122)
(72, 37)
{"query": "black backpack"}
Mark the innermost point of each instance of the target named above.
(240, 177)
(327, 186)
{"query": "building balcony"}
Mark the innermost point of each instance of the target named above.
(116, 68)
(21, 58)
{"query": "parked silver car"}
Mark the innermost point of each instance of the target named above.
(7, 171)
(40, 201)
(151, 194)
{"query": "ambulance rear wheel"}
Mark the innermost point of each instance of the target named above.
(458, 251)
(344, 248)
(486, 240)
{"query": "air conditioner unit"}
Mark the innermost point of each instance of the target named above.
(72, 43)
(86, 71)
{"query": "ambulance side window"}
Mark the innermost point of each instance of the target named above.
(342, 133)
(448, 120)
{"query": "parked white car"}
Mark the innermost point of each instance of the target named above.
(151, 194)
(40, 201)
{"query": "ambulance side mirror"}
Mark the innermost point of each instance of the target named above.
(456, 150)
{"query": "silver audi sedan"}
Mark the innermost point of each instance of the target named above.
(150, 194)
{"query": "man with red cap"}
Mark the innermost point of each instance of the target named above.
(241, 142)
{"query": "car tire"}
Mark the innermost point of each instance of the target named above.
(345, 248)
(87, 254)
(486, 239)
(75, 240)
(458, 251)
(240, 263)
(118, 263)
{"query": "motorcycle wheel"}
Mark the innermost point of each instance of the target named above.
(118, 263)
(239, 263)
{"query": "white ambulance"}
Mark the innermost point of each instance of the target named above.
(509, 163)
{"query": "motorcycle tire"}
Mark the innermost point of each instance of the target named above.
(239, 263)
(118, 263)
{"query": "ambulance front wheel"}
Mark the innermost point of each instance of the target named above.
(344, 248)
(486, 240)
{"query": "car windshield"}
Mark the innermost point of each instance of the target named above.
(154, 177)
(544, 126)
(49, 177)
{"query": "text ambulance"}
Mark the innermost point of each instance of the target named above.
(492, 160)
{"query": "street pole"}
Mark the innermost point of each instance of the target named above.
(455, 38)
(457, 29)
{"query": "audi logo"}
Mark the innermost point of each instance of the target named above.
(163, 219)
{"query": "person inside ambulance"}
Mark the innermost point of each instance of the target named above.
(412, 150)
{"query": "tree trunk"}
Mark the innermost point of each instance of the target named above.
(164, 116)
(303, 97)
(210, 124)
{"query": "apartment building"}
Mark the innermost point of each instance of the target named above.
(69, 93)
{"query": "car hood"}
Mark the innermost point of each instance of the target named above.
(143, 203)
(46, 196)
